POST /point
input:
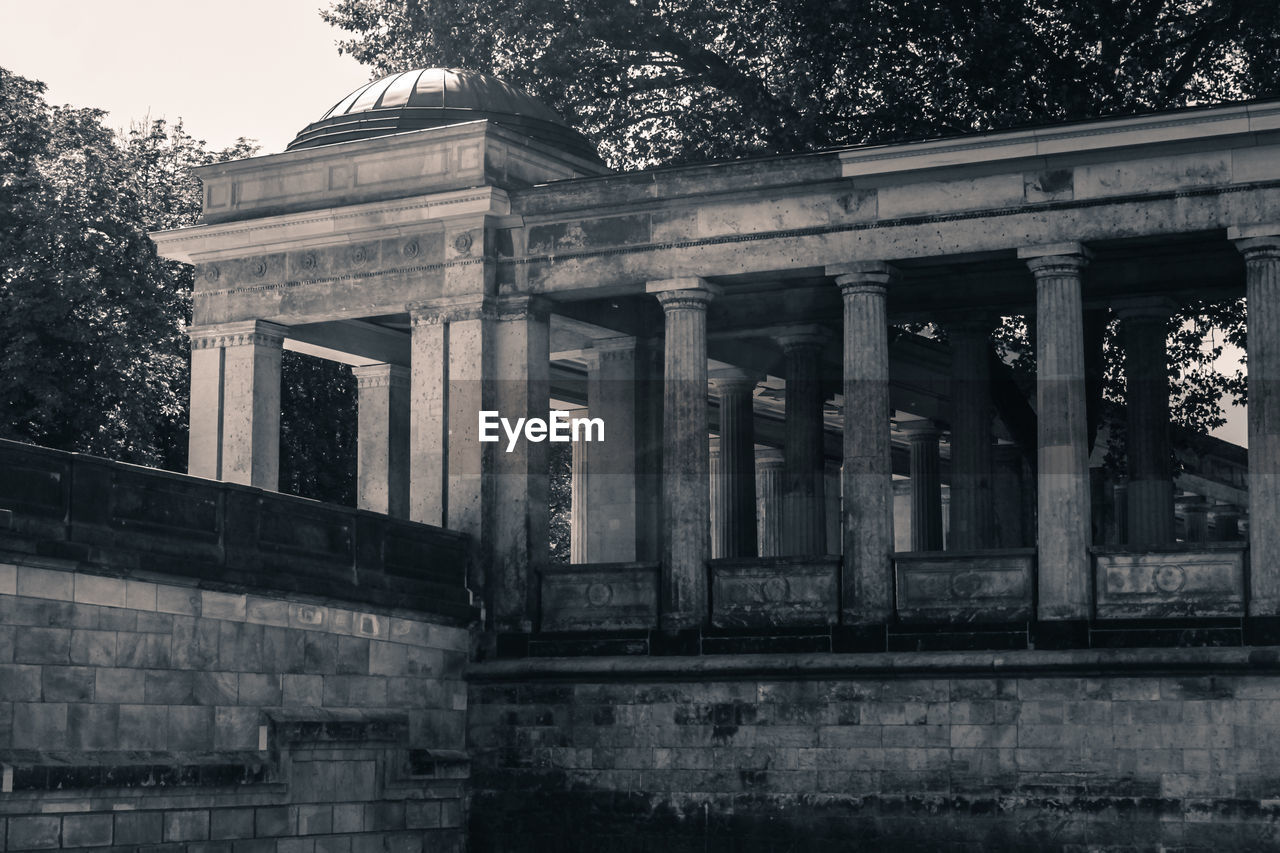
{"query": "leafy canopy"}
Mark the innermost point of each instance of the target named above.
(657, 82)
(664, 81)
(93, 351)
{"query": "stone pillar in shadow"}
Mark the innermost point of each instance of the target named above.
(733, 490)
(926, 485)
(769, 501)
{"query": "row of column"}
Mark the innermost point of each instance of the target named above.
(484, 353)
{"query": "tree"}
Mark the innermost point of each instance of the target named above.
(657, 82)
(91, 350)
(94, 355)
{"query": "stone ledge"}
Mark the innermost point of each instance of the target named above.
(908, 665)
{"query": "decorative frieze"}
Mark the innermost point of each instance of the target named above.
(451, 309)
(246, 333)
(599, 596)
(781, 592)
(988, 586)
(1170, 582)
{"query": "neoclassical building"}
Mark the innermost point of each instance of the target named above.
(838, 570)
(735, 325)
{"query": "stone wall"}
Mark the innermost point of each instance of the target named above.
(1104, 750)
(138, 714)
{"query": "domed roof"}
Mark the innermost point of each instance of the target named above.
(435, 97)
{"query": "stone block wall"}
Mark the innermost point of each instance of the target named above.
(152, 713)
(1097, 750)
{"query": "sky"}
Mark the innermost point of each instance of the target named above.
(263, 69)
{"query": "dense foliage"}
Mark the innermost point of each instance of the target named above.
(93, 351)
(662, 81)
(657, 82)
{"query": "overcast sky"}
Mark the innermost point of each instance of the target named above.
(228, 68)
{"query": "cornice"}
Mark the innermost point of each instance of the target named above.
(317, 228)
(1092, 136)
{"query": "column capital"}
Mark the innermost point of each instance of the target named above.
(920, 431)
(1144, 307)
(863, 276)
(1256, 246)
(691, 292)
(519, 306)
(242, 333)
(1055, 258)
(728, 380)
(769, 456)
(381, 376)
(621, 348)
(447, 309)
(798, 337)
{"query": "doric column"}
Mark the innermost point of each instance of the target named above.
(382, 439)
(868, 469)
(1120, 500)
(733, 501)
(1262, 264)
(831, 497)
(926, 485)
(579, 506)
(769, 501)
(235, 402)
(972, 513)
(1144, 327)
(902, 515)
(713, 489)
(685, 452)
(1195, 516)
(803, 508)
(1063, 520)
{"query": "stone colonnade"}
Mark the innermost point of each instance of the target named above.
(420, 454)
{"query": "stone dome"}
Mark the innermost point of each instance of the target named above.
(435, 97)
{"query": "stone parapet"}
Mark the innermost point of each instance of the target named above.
(122, 520)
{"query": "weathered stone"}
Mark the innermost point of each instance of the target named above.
(1063, 466)
(685, 452)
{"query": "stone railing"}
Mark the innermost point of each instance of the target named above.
(125, 519)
